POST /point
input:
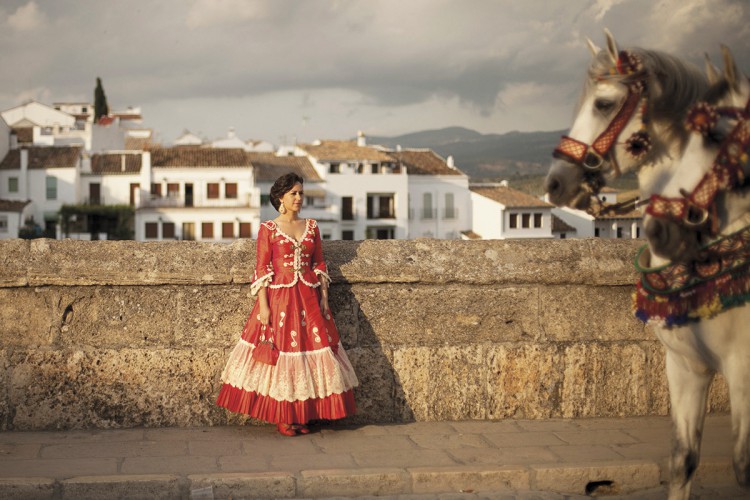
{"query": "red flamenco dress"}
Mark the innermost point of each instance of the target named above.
(313, 378)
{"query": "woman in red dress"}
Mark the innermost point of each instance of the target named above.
(312, 378)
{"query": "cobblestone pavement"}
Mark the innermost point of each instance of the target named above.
(511, 459)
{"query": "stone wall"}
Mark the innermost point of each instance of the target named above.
(123, 334)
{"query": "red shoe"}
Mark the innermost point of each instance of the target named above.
(302, 429)
(286, 430)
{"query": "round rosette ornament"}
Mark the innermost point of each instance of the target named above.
(638, 145)
(701, 118)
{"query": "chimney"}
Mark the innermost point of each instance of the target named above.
(13, 140)
(361, 141)
(450, 162)
(231, 134)
(122, 162)
(23, 181)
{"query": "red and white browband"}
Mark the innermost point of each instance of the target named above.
(591, 157)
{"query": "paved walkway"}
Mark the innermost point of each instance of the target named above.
(551, 459)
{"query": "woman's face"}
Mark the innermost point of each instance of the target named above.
(292, 200)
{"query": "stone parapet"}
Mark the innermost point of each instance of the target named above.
(123, 334)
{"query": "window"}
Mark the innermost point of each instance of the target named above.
(152, 230)
(347, 208)
(513, 222)
(525, 220)
(619, 232)
(381, 206)
(427, 212)
(207, 230)
(450, 209)
(156, 190)
(133, 189)
(537, 220)
(596, 232)
(227, 230)
(173, 190)
(380, 233)
(95, 193)
(3, 223)
(334, 168)
(188, 231)
(212, 190)
(84, 109)
(12, 184)
(375, 168)
(230, 190)
(167, 230)
(246, 230)
(326, 236)
(51, 188)
(265, 200)
(347, 234)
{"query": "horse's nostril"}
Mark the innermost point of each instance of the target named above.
(553, 186)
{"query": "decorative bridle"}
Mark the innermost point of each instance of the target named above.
(697, 210)
(591, 157)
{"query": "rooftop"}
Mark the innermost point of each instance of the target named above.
(509, 197)
(344, 151)
(41, 157)
(269, 167)
(424, 162)
(198, 157)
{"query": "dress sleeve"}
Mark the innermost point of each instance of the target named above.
(319, 265)
(263, 268)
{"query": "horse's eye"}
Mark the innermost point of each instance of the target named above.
(604, 105)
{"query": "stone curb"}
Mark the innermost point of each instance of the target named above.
(575, 479)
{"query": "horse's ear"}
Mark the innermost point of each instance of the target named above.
(592, 47)
(730, 68)
(712, 72)
(614, 54)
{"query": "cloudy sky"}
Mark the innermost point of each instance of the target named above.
(286, 70)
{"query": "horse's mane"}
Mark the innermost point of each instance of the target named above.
(673, 85)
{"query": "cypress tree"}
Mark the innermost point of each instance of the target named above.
(101, 108)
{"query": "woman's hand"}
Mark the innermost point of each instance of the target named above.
(264, 315)
(324, 309)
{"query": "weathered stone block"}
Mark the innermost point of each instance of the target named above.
(210, 317)
(583, 313)
(524, 381)
(5, 411)
(14, 263)
(606, 380)
(446, 383)
(58, 262)
(27, 317)
(434, 316)
(376, 394)
(246, 485)
(110, 388)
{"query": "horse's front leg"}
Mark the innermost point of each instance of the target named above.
(689, 382)
(739, 396)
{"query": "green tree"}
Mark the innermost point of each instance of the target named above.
(101, 108)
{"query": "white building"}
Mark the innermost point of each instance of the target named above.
(500, 212)
(13, 215)
(365, 187)
(37, 124)
(627, 225)
(47, 176)
(196, 194)
(439, 197)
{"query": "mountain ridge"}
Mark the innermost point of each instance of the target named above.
(483, 157)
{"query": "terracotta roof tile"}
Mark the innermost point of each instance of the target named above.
(269, 167)
(12, 205)
(344, 151)
(112, 163)
(44, 157)
(424, 162)
(510, 197)
(198, 157)
(137, 143)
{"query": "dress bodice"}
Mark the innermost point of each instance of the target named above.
(283, 261)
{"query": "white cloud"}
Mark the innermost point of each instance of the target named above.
(27, 18)
(206, 13)
(601, 7)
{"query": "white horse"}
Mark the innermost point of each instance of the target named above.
(719, 342)
(629, 118)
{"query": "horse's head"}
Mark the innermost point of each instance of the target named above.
(632, 103)
(707, 193)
